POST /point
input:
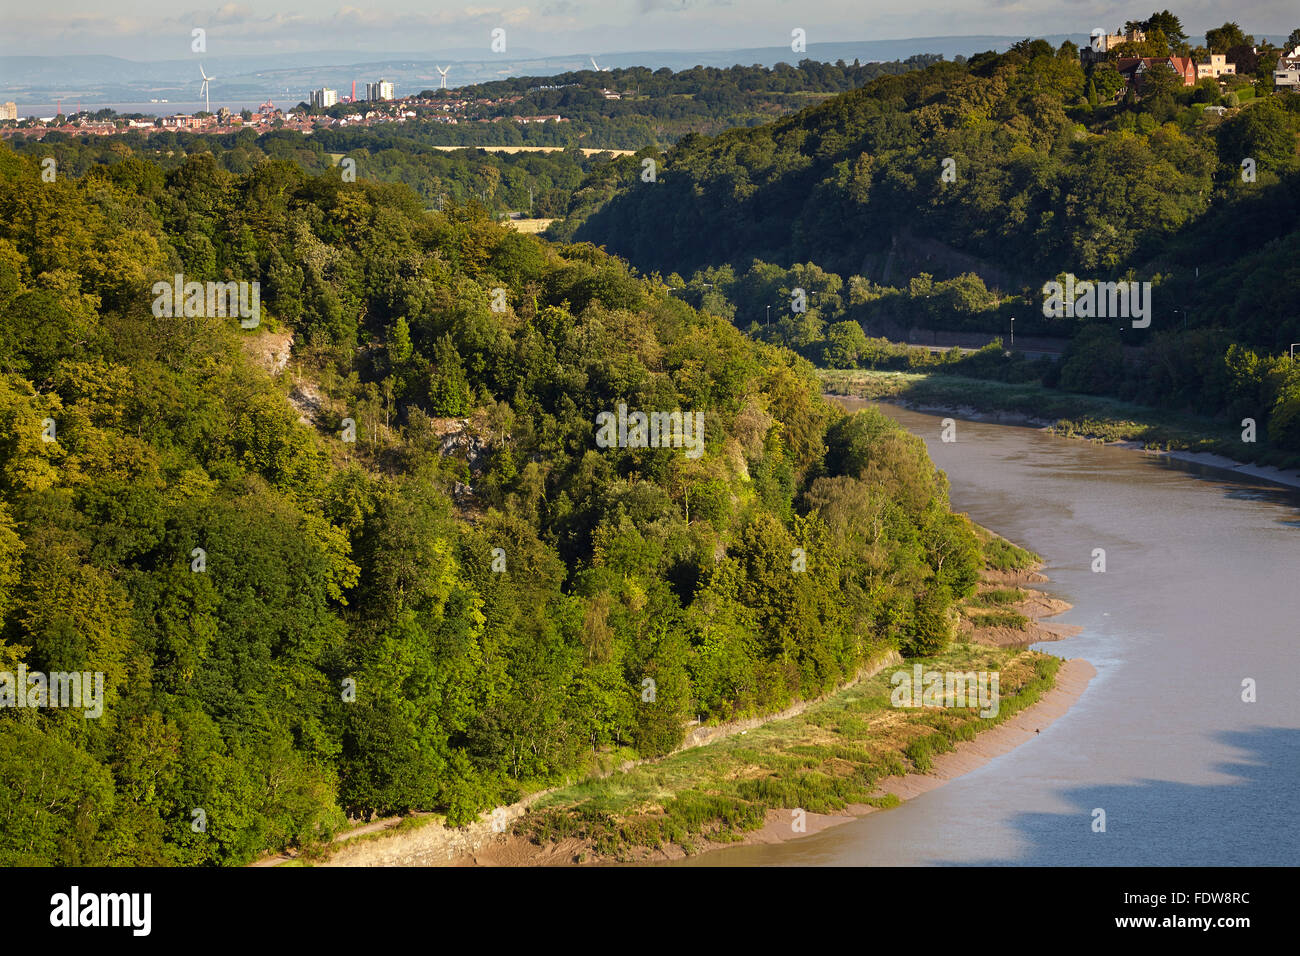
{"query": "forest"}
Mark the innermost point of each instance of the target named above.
(945, 198)
(654, 108)
(391, 570)
(499, 182)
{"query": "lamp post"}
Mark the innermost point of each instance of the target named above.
(768, 320)
(1013, 331)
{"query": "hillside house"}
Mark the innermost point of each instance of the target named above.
(1217, 66)
(1286, 75)
(1134, 69)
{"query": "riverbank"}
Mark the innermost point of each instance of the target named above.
(1031, 708)
(819, 763)
(1185, 438)
(1007, 612)
(780, 825)
(1071, 681)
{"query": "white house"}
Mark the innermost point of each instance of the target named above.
(1286, 75)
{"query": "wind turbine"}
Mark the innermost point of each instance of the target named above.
(203, 88)
(442, 85)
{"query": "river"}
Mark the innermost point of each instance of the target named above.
(1201, 591)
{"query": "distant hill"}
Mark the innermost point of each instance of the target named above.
(1043, 182)
(100, 80)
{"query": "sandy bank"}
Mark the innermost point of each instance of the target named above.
(1238, 469)
(1035, 605)
(966, 412)
(1071, 681)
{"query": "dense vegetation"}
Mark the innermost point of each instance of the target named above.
(538, 183)
(654, 108)
(1050, 175)
(466, 600)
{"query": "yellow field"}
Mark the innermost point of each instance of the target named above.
(529, 225)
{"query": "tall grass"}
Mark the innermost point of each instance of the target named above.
(833, 755)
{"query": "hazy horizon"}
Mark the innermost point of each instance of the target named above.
(153, 32)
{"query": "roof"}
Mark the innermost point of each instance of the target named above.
(1180, 64)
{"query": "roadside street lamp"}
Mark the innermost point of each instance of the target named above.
(1013, 331)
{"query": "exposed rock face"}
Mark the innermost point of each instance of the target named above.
(457, 439)
(269, 350)
(307, 400)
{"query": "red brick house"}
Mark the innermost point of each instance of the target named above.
(1132, 68)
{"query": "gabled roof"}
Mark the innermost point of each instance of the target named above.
(1180, 64)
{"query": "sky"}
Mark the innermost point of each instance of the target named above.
(161, 29)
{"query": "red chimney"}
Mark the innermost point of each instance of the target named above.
(354, 91)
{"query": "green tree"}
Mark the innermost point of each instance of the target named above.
(449, 393)
(1224, 38)
(46, 816)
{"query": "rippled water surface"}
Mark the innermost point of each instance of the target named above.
(1201, 590)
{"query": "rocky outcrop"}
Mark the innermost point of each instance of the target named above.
(269, 350)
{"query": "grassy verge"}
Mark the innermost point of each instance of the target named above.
(997, 597)
(832, 755)
(1011, 619)
(1002, 555)
(1070, 414)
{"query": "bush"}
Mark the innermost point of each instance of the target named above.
(1093, 362)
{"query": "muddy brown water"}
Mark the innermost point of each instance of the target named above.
(1201, 592)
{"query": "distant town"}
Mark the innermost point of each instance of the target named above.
(375, 103)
